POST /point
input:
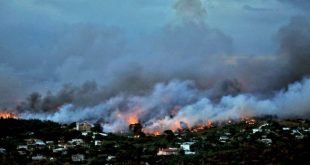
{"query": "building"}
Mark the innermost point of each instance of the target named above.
(186, 146)
(266, 141)
(76, 141)
(39, 142)
(78, 157)
(38, 157)
(98, 142)
(223, 139)
(168, 151)
(254, 130)
(2, 151)
(84, 127)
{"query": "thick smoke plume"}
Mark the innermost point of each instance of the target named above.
(179, 103)
(185, 74)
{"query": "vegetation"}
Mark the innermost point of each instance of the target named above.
(242, 147)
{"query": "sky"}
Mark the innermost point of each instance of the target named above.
(119, 46)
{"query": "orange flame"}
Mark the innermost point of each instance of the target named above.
(248, 120)
(156, 133)
(132, 119)
(7, 115)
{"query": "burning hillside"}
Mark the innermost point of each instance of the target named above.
(180, 74)
(8, 115)
(195, 109)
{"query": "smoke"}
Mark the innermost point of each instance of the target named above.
(9, 87)
(191, 11)
(302, 4)
(295, 48)
(182, 74)
(179, 104)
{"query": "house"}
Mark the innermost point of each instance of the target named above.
(76, 141)
(62, 151)
(38, 157)
(2, 151)
(22, 152)
(168, 151)
(22, 147)
(254, 130)
(110, 158)
(266, 141)
(297, 134)
(78, 157)
(103, 134)
(306, 129)
(98, 142)
(223, 139)
(285, 128)
(84, 127)
(29, 141)
(56, 150)
(186, 147)
(84, 133)
(39, 142)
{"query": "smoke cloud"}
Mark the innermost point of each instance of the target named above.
(180, 104)
(182, 71)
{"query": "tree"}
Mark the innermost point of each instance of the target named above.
(97, 128)
(169, 135)
(136, 129)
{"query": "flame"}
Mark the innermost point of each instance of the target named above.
(132, 119)
(248, 120)
(200, 127)
(8, 115)
(156, 133)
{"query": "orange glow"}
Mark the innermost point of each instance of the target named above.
(156, 133)
(7, 115)
(132, 119)
(207, 125)
(248, 120)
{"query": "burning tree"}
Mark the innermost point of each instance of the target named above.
(136, 129)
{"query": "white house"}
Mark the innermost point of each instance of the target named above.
(22, 147)
(39, 142)
(98, 142)
(266, 141)
(38, 157)
(76, 141)
(168, 151)
(223, 139)
(2, 151)
(78, 157)
(186, 146)
(254, 130)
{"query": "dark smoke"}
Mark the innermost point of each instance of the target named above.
(191, 50)
(188, 71)
(295, 49)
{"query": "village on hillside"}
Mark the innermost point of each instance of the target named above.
(246, 141)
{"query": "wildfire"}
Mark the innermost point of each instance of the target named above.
(248, 120)
(132, 119)
(209, 124)
(7, 115)
(156, 133)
